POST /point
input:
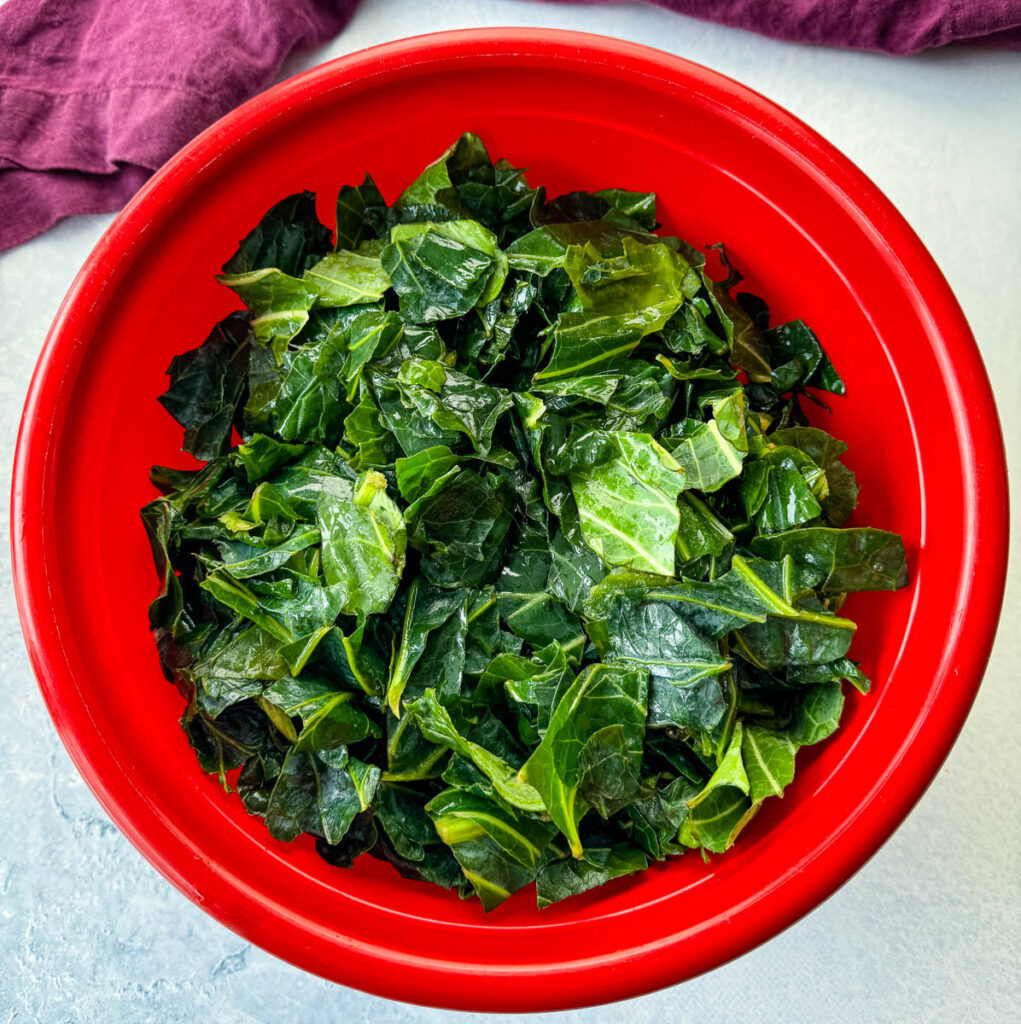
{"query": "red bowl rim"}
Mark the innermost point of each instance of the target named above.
(979, 598)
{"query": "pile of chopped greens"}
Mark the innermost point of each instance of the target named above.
(523, 564)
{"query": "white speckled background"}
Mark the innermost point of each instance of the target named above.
(928, 931)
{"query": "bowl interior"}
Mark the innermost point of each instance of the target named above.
(577, 120)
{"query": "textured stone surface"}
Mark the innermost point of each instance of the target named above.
(928, 931)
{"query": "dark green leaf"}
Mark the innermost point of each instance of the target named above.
(330, 718)
(817, 713)
(437, 276)
(311, 796)
(568, 877)
(825, 451)
(289, 237)
(361, 214)
(206, 386)
(602, 696)
(855, 559)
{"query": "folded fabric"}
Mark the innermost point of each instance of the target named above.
(889, 26)
(96, 94)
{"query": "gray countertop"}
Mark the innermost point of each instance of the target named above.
(927, 931)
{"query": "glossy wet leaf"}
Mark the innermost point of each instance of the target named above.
(363, 545)
(587, 343)
(683, 663)
(859, 558)
(768, 759)
(498, 851)
(645, 285)
(346, 278)
(330, 718)
(798, 359)
(628, 504)
(817, 713)
(435, 723)
(311, 796)
(603, 697)
(569, 877)
(279, 304)
(206, 386)
(426, 609)
(437, 277)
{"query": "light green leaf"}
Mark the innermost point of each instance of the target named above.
(347, 278)
(628, 505)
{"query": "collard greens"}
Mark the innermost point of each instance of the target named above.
(513, 557)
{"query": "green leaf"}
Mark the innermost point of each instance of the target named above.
(426, 609)
(346, 278)
(364, 541)
(460, 526)
(470, 233)
(459, 403)
(717, 820)
(499, 852)
(363, 428)
(574, 570)
(683, 664)
(699, 532)
(639, 206)
(278, 302)
(568, 877)
(778, 490)
(294, 401)
(206, 386)
(628, 505)
(437, 277)
(711, 453)
(361, 214)
(526, 607)
(828, 672)
(226, 742)
(262, 456)
(289, 237)
(329, 717)
(530, 685)
(655, 818)
(417, 473)
(436, 725)
(825, 451)
(371, 335)
(602, 696)
(545, 249)
(645, 285)
(799, 361)
(587, 343)
(721, 809)
(311, 796)
(855, 559)
(768, 761)
(817, 713)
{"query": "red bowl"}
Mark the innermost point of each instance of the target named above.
(813, 235)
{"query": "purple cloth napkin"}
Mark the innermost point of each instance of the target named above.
(97, 94)
(890, 26)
